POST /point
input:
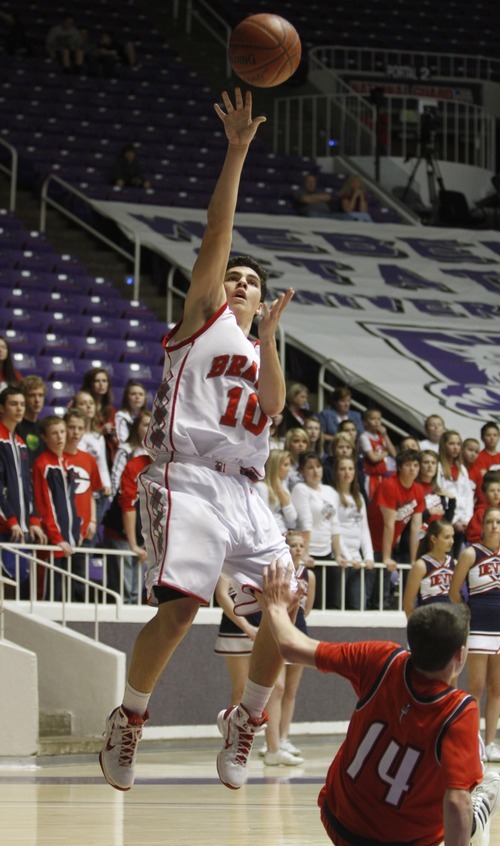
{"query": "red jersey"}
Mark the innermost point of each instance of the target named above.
(484, 462)
(87, 482)
(404, 501)
(409, 740)
(128, 496)
(54, 491)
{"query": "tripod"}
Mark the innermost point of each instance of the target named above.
(427, 153)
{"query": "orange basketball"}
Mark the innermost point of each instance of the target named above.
(264, 50)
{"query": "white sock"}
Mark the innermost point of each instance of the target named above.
(135, 701)
(255, 698)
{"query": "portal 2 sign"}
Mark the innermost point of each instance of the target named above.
(464, 366)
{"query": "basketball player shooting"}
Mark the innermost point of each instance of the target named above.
(208, 438)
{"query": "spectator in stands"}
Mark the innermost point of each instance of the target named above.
(123, 531)
(35, 391)
(97, 383)
(54, 488)
(18, 521)
(408, 442)
(297, 406)
(296, 443)
(377, 450)
(488, 458)
(134, 445)
(127, 170)
(276, 439)
(453, 479)
(134, 401)
(9, 376)
(341, 446)
(348, 427)
(318, 522)
(470, 451)
(315, 432)
(88, 48)
(110, 54)
(353, 199)
(274, 489)
(331, 418)
(434, 428)
(355, 539)
(436, 503)
(63, 43)
(14, 37)
(490, 488)
(398, 500)
(311, 202)
(94, 443)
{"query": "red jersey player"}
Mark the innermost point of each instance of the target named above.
(410, 759)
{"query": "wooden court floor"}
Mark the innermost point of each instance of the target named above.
(177, 801)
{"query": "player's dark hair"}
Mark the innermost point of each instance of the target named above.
(435, 632)
(248, 261)
(407, 455)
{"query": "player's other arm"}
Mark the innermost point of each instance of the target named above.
(457, 817)
(206, 293)
(272, 388)
(277, 600)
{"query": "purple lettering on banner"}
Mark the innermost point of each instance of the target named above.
(485, 311)
(464, 366)
(277, 239)
(437, 308)
(362, 245)
(494, 246)
(446, 251)
(346, 301)
(386, 304)
(401, 277)
(326, 268)
(489, 280)
(170, 228)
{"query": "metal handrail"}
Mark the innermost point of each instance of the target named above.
(196, 9)
(134, 236)
(12, 172)
(323, 566)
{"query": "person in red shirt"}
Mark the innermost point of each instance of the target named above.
(398, 500)
(410, 759)
(490, 490)
(376, 448)
(488, 458)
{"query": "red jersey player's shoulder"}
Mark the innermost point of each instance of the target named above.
(362, 663)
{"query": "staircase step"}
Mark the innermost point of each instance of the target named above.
(69, 745)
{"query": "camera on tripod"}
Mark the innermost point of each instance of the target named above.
(428, 127)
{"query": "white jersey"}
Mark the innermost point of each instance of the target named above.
(207, 405)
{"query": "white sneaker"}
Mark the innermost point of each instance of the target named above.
(262, 751)
(288, 746)
(117, 759)
(238, 729)
(493, 752)
(484, 805)
(275, 759)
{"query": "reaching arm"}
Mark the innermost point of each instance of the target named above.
(277, 599)
(206, 293)
(457, 816)
(272, 388)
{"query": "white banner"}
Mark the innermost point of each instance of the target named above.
(407, 314)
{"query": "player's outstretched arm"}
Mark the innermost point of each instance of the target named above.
(206, 293)
(277, 599)
(272, 388)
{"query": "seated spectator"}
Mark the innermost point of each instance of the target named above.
(398, 500)
(276, 439)
(341, 446)
(18, 520)
(35, 391)
(311, 202)
(434, 428)
(470, 451)
(54, 488)
(408, 442)
(315, 432)
(110, 54)
(127, 170)
(274, 489)
(377, 450)
(490, 489)
(63, 44)
(297, 406)
(348, 427)
(340, 410)
(353, 199)
(296, 442)
(9, 376)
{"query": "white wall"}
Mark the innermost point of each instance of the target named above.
(18, 702)
(75, 674)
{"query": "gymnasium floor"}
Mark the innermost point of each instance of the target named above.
(177, 801)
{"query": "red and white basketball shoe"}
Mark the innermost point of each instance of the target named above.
(117, 758)
(238, 729)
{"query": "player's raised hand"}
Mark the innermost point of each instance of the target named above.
(271, 315)
(276, 585)
(239, 126)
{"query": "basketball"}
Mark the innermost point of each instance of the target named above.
(264, 50)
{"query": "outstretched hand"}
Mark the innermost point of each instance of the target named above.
(239, 126)
(271, 315)
(276, 586)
